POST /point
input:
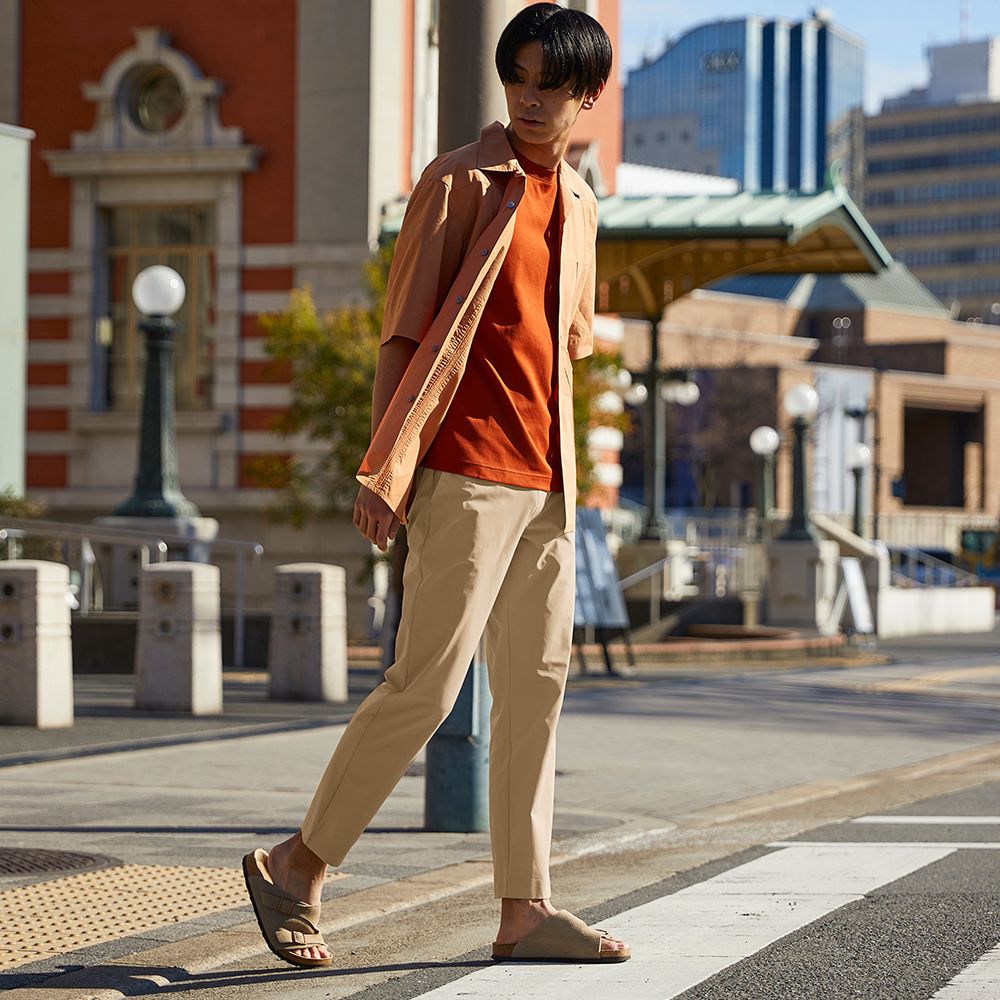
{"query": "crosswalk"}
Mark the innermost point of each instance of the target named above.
(681, 939)
(980, 981)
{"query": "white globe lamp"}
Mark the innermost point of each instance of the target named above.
(764, 441)
(801, 401)
(158, 291)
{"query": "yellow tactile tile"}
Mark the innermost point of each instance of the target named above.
(54, 917)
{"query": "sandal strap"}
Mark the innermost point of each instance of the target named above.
(288, 937)
(562, 935)
(275, 899)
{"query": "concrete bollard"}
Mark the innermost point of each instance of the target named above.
(36, 655)
(307, 653)
(178, 662)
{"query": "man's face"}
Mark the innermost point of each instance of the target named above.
(539, 117)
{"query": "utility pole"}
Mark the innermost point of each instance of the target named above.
(469, 96)
(469, 93)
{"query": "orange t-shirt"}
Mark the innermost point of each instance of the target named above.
(503, 423)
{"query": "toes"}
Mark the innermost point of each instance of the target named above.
(311, 953)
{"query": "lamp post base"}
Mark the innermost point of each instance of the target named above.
(802, 583)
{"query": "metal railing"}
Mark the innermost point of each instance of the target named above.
(152, 546)
(913, 568)
(707, 571)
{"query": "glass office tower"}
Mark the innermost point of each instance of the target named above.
(750, 98)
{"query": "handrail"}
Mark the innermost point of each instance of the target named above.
(102, 533)
(935, 570)
(643, 574)
(12, 528)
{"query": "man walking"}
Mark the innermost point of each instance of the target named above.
(490, 299)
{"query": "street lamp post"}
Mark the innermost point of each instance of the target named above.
(764, 443)
(675, 386)
(801, 403)
(859, 459)
(841, 334)
(158, 292)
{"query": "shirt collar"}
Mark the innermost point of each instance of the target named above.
(494, 150)
(495, 154)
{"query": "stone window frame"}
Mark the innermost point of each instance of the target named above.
(115, 163)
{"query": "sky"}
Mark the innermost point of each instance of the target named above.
(896, 32)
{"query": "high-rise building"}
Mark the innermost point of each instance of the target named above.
(932, 188)
(751, 98)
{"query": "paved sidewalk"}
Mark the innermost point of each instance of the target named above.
(174, 802)
(158, 809)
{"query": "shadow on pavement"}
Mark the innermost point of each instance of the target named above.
(133, 980)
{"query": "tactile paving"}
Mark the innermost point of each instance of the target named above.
(61, 915)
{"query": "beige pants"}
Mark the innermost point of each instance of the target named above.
(482, 556)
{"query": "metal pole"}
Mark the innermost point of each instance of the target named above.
(456, 795)
(799, 528)
(157, 490)
(877, 451)
(765, 493)
(768, 486)
(86, 575)
(470, 96)
(239, 625)
(655, 456)
(859, 526)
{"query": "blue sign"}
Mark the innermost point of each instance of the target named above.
(599, 599)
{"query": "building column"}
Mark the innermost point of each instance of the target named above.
(469, 93)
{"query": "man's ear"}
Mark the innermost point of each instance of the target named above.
(591, 99)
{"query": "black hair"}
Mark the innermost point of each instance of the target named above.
(576, 50)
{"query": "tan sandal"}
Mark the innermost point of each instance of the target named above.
(563, 937)
(286, 922)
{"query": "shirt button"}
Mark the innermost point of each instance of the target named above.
(459, 298)
(486, 253)
(411, 399)
(435, 348)
(510, 204)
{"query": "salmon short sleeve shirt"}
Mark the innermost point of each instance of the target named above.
(459, 225)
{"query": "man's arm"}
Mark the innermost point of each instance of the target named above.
(373, 517)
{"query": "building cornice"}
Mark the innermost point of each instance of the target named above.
(132, 162)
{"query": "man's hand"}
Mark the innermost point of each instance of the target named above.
(374, 518)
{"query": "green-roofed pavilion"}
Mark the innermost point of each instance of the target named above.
(652, 250)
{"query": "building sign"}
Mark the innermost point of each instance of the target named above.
(724, 61)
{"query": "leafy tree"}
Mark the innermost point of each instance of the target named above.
(332, 361)
(15, 506)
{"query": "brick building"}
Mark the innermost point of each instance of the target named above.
(253, 154)
(934, 382)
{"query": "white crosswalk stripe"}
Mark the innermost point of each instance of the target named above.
(930, 820)
(681, 939)
(980, 981)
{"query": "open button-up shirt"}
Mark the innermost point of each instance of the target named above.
(458, 225)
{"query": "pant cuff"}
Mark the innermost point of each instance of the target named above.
(535, 889)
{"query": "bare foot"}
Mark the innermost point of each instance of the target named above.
(294, 868)
(519, 917)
